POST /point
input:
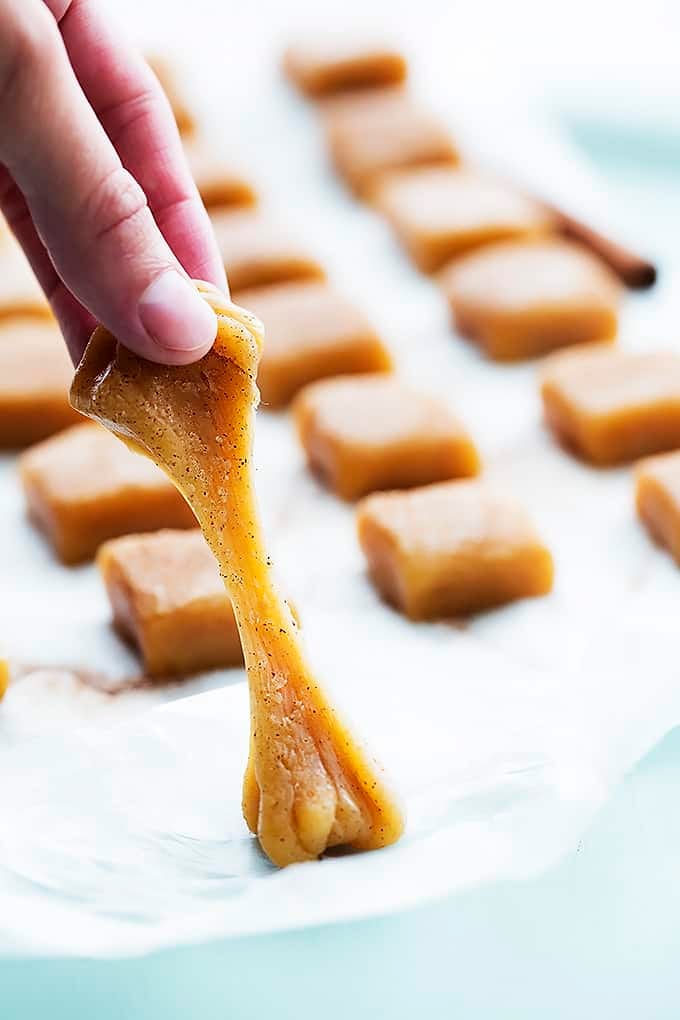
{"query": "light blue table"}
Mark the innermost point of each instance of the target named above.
(599, 937)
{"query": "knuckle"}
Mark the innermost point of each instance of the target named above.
(115, 205)
(29, 33)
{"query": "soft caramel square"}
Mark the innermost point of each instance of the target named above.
(321, 67)
(610, 406)
(35, 375)
(521, 299)
(657, 499)
(374, 134)
(374, 432)
(311, 332)
(442, 212)
(84, 486)
(169, 601)
(169, 79)
(20, 292)
(257, 250)
(451, 549)
(219, 183)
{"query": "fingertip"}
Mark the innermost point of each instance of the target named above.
(181, 326)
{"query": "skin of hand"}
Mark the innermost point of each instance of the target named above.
(95, 185)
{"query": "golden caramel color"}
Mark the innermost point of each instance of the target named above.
(521, 299)
(35, 374)
(610, 406)
(378, 133)
(4, 677)
(311, 333)
(168, 599)
(257, 251)
(450, 549)
(308, 785)
(169, 80)
(657, 499)
(326, 66)
(219, 184)
(442, 212)
(83, 487)
(373, 432)
(20, 292)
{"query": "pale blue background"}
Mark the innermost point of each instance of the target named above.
(599, 937)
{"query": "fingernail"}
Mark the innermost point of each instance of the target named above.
(175, 315)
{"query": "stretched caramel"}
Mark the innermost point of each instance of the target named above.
(307, 785)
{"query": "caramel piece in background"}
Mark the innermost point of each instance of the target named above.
(169, 600)
(450, 549)
(257, 250)
(84, 486)
(389, 131)
(311, 332)
(441, 212)
(4, 677)
(520, 299)
(20, 292)
(35, 375)
(323, 66)
(219, 183)
(657, 499)
(167, 74)
(308, 783)
(611, 406)
(374, 432)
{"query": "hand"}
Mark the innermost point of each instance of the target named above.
(95, 185)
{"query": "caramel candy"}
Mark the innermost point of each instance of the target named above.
(168, 78)
(520, 299)
(218, 183)
(20, 292)
(168, 599)
(610, 406)
(657, 498)
(308, 784)
(450, 549)
(374, 432)
(84, 486)
(311, 333)
(323, 67)
(440, 212)
(4, 677)
(35, 374)
(387, 131)
(257, 251)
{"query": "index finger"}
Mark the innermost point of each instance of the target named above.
(135, 114)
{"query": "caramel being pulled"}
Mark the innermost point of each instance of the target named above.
(307, 784)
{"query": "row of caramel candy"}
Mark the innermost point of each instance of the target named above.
(440, 543)
(308, 784)
(515, 286)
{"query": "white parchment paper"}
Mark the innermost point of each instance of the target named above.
(120, 823)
